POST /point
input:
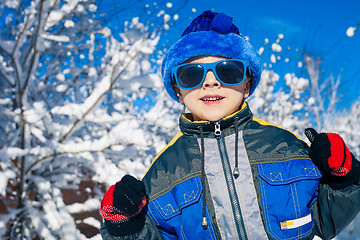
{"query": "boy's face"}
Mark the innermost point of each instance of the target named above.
(212, 100)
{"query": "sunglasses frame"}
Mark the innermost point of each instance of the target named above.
(212, 66)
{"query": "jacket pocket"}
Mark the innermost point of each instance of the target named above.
(288, 190)
(180, 196)
(178, 211)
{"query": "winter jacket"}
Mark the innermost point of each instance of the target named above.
(250, 179)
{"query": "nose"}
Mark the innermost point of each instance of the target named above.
(210, 80)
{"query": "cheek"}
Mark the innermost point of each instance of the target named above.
(236, 96)
(187, 99)
(187, 95)
(241, 89)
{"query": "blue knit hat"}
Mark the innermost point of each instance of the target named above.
(212, 34)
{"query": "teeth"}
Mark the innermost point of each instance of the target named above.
(211, 99)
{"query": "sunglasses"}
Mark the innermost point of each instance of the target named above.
(227, 72)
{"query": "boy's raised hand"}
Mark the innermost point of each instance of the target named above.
(122, 207)
(330, 154)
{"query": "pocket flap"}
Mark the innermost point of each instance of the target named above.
(289, 171)
(180, 196)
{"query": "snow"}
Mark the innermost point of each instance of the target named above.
(299, 84)
(276, 47)
(160, 13)
(69, 23)
(4, 177)
(96, 237)
(92, 8)
(5, 101)
(261, 51)
(11, 4)
(311, 101)
(273, 58)
(88, 205)
(56, 15)
(167, 17)
(56, 38)
(350, 31)
(93, 222)
(60, 76)
(11, 153)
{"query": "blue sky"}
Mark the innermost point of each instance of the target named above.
(319, 26)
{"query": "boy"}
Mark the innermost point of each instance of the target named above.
(228, 175)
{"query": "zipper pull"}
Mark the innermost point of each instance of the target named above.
(217, 131)
(204, 223)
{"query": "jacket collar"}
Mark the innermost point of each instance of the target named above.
(241, 118)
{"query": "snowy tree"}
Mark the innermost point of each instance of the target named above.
(69, 91)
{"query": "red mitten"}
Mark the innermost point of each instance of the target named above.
(122, 207)
(330, 154)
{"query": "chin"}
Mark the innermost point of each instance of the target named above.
(213, 118)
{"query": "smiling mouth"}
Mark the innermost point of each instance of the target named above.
(211, 99)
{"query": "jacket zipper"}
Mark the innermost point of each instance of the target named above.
(230, 183)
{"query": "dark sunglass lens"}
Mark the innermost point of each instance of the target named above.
(190, 76)
(231, 72)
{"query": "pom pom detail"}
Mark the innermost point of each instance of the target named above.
(222, 23)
